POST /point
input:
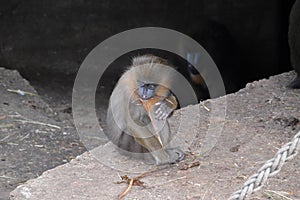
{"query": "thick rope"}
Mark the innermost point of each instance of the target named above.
(270, 168)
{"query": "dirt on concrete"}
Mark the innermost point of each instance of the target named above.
(238, 132)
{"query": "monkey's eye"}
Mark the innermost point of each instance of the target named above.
(150, 86)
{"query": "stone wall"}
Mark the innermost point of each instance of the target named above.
(42, 36)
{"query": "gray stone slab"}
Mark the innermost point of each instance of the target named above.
(258, 121)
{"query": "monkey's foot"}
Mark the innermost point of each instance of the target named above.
(176, 155)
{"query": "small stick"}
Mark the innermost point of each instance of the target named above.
(131, 182)
(275, 194)
(21, 92)
(4, 138)
(127, 189)
(39, 123)
(204, 106)
(8, 177)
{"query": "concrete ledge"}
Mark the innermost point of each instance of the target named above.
(259, 120)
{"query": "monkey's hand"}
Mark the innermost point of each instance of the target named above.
(163, 111)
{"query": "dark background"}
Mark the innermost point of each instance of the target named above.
(47, 39)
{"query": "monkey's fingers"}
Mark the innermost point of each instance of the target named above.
(160, 113)
(163, 111)
(163, 115)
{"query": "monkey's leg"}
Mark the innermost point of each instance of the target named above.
(151, 133)
(152, 138)
(116, 133)
(146, 139)
(159, 108)
(139, 127)
(162, 130)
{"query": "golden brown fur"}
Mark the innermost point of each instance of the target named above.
(132, 121)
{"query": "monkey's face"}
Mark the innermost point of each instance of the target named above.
(146, 91)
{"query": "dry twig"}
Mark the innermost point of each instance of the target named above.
(204, 106)
(39, 123)
(25, 120)
(186, 166)
(21, 92)
(277, 195)
(131, 182)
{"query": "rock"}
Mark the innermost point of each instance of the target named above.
(93, 175)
